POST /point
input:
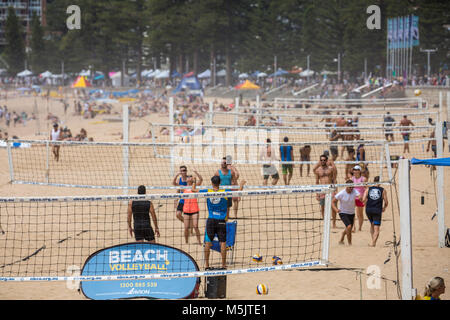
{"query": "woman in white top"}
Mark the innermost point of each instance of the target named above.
(346, 209)
(267, 154)
(55, 135)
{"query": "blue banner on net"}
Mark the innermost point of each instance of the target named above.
(139, 259)
(432, 162)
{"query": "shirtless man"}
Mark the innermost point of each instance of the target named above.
(234, 182)
(334, 136)
(405, 122)
(349, 166)
(432, 143)
(305, 153)
(340, 123)
(347, 136)
(330, 163)
(324, 175)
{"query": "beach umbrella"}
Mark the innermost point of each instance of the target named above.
(296, 70)
(163, 74)
(85, 73)
(145, 73)
(306, 73)
(205, 74)
(243, 76)
(247, 85)
(326, 73)
(25, 73)
(176, 74)
(221, 73)
(81, 82)
(46, 74)
(279, 73)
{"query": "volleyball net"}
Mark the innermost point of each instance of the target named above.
(155, 165)
(42, 238)
(379, 104)
(319, 118)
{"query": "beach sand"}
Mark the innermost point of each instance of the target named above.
(346, 277)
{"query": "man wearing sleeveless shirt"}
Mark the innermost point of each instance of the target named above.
(287, 154)
(376, 202)
(140, 211)
(55, 135)
(268, 155)
(227, 175)
(217, 217)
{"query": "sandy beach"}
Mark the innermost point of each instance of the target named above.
(344, 279)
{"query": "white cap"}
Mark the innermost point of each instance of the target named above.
(357, 168)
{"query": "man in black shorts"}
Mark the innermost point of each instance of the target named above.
(346, 198)
(140, 211)
(376, 202)
(334, 136)
(217, 218)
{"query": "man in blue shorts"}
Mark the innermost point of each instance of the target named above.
(217, 217)
(376, 202)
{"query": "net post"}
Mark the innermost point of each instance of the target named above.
(236, 110)
(387, 153)
(440, 186)
(326, 227)
(47, 161)
(405, 229)
(441, 116)
(382, 157)
(125, 164)
(448, 106)
(172, 136)
(11, 166)
(211, 115)
(258, 110)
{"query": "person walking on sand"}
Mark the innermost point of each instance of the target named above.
(376, 201)
(346, 210)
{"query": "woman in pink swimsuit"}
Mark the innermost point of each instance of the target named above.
(358, 178)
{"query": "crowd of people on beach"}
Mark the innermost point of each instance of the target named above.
(13, 119)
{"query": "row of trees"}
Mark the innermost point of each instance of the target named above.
(238, 34)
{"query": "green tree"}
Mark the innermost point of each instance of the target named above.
(38, 57)
(434, 17)
(15, 43)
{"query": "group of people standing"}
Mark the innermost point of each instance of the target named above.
(187, 210)
(352, 199)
